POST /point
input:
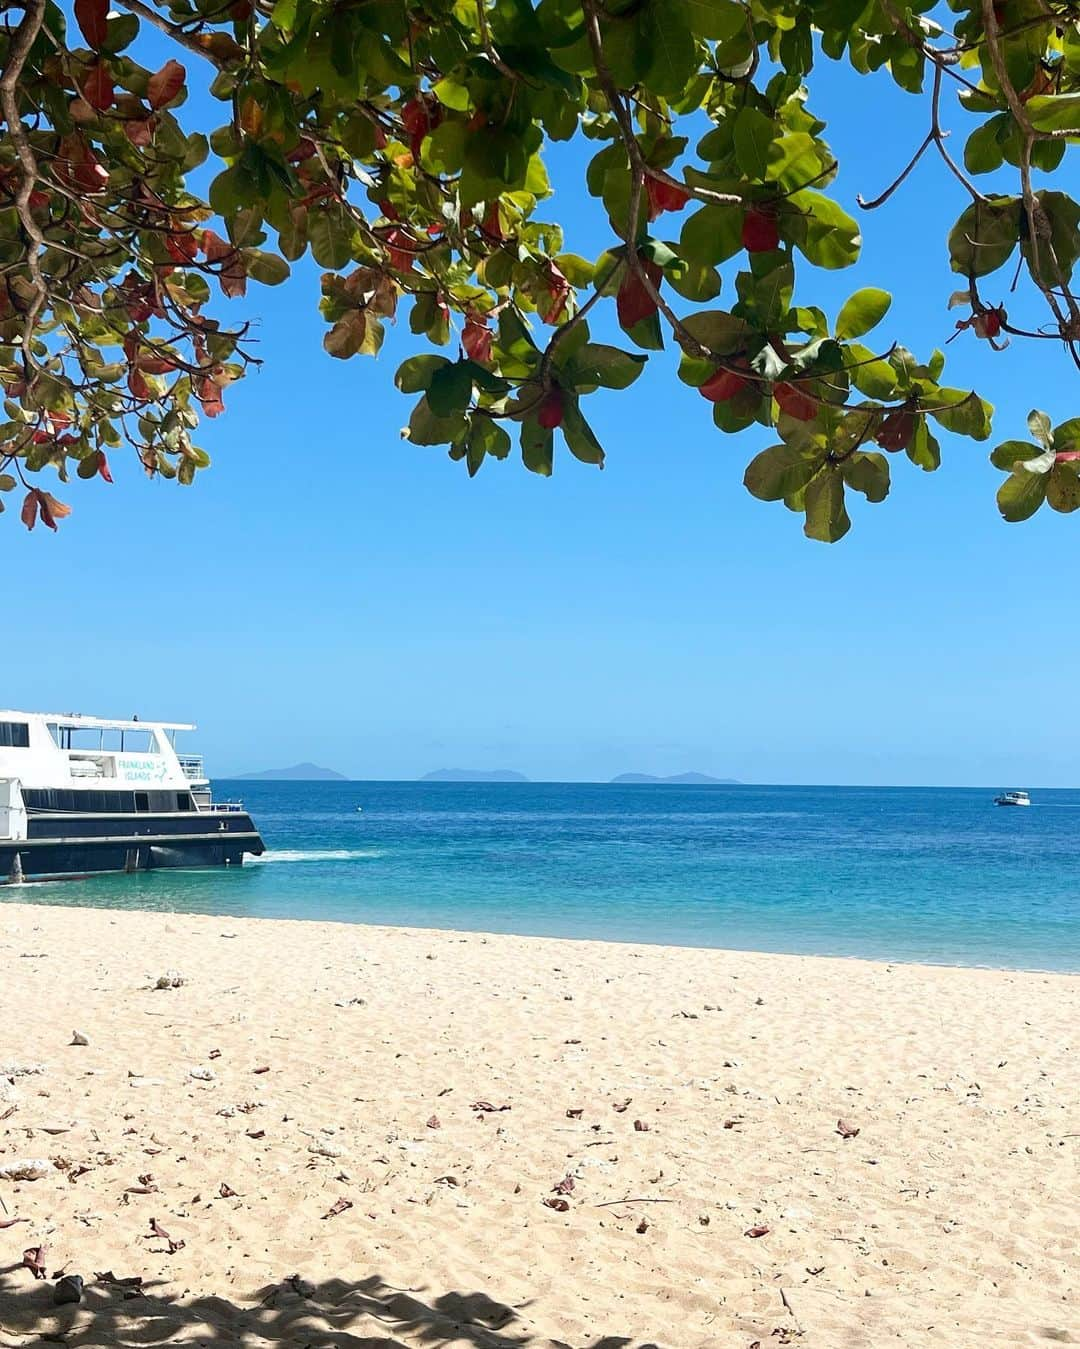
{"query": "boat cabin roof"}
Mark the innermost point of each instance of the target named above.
(77, 720)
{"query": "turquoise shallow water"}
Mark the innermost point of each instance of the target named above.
(900, 874)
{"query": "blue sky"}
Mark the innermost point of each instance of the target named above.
(328, 591)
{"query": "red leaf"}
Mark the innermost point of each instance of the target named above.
(29, 512)
(492, 223)
(559, 291)
(90, 15)
(756, 1232)
(213, 404)
(156, 1230)
(633, 303)
(51, 509)
(476, 339)
(640, 1126)
(559, 1205)
(896, 431)
(421, 118)
(434, 1122)
(138, 385)
(226, 1191)
(98, 87)
(664, 197)
(140, 131)
(722, 386)
(165, 84)
(182, 246)
(846, 1130)
(760, 233)
(795, 403)
(103, 467)
(34, 1260)
(565, 1186)
(401, 247)
(232, 276)
(550, 412)
(339, 1207)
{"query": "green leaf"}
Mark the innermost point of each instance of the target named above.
(1021, 495)
(1054, 112)
(665, 32)
(826, 515)
(332, 237)
(716, 19)
(754, 133)
(426, 429)
(867, 473)
(781, 470)
(1067, 435)
(1063, 489)
(924, 449)
(1039, 426)
(415, 374)
(984, 237)
(1010, 453)
(354, 334)
(723, 333)
(712, 235)
(452, 95)
(862, 311)
(537, 447)
(694, 281)
(824, 231)
(451, 389)
(579, 436)
(874, 378)
(965, 413)
(984, 151)
(490, 436)
(596, 365)
(266, 267)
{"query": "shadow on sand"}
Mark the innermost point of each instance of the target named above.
(335, 1314)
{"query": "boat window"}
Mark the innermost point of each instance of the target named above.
(184, 801)
(142, 801)
(14, 735)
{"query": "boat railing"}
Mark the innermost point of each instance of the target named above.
(191, 765)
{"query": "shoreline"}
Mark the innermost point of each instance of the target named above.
(386, 1112)
(618, 942)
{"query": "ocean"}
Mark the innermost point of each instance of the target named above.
(904, 874)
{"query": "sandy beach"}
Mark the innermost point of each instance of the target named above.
(370, 1138)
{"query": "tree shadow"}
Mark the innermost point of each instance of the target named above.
(295, 1313)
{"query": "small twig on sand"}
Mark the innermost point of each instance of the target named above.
(610, 1203)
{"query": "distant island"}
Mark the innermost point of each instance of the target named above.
(676, 780)
(474, 775)
(299, 772)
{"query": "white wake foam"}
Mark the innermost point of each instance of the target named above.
(316, 855)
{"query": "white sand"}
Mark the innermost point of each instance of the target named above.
(951, 1219)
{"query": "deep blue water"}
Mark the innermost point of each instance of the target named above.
(925, 874)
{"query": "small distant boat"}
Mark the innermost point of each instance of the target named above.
(1012, 799)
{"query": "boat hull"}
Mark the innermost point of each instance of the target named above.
(71, 845)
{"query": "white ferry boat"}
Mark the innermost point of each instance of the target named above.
(84, 794)
(1012, 799)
